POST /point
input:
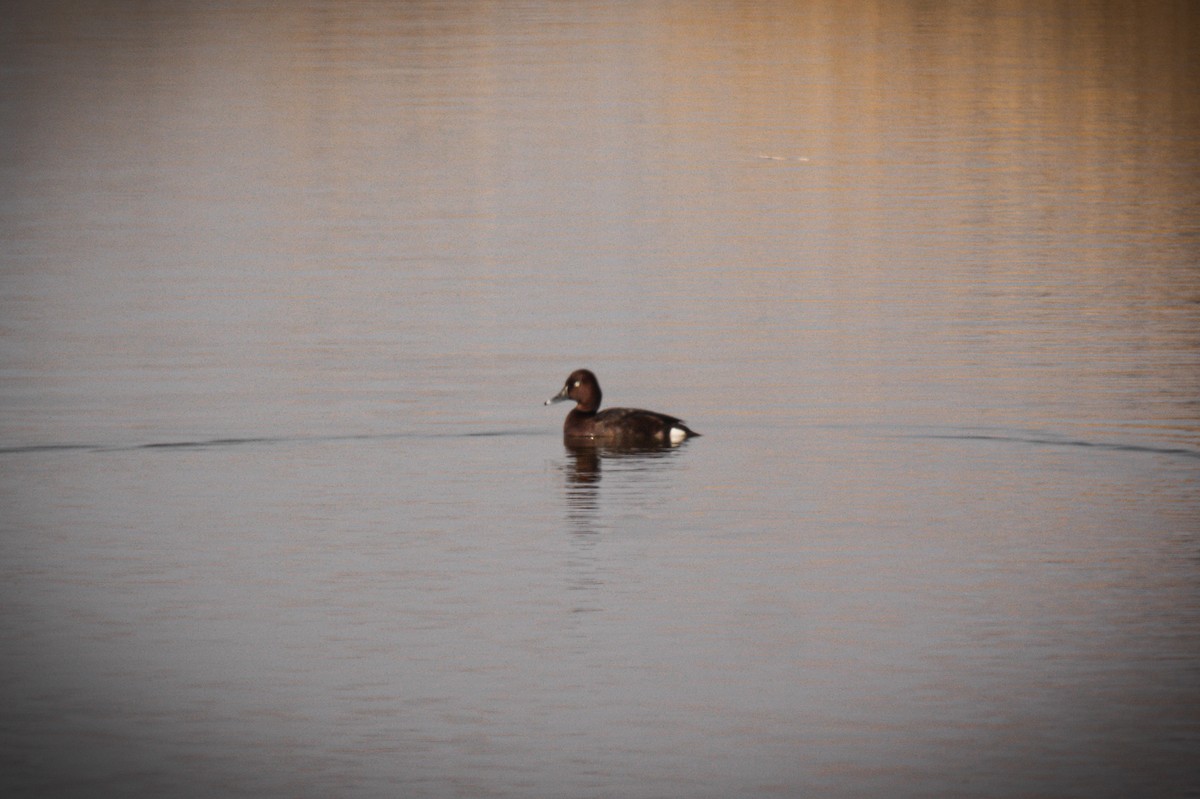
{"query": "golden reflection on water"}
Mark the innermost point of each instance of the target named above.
(808, 175)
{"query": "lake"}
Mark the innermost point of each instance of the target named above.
(284, 288)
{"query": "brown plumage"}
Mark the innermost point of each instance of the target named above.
(586, 423)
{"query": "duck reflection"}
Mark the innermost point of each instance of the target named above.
(633, 470)
(635, 480)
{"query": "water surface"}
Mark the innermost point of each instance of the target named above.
(283, 289)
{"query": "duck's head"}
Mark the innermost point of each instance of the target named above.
(581, 386)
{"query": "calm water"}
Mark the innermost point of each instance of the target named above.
(284, 287)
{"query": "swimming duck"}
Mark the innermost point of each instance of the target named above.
(587, 424)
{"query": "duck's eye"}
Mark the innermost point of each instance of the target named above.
(575, 384)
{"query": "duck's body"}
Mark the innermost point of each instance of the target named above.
(587, 424)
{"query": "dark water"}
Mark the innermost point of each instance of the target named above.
(283, 289)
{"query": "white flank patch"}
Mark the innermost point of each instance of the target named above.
(678, 434)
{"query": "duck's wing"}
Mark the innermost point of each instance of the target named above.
(638, 423)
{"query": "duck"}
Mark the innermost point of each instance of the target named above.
(587, 424)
